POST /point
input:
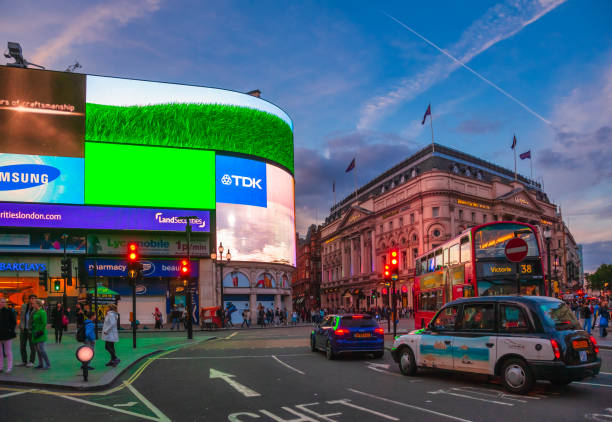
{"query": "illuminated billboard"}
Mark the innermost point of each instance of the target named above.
(101, 218)
(255, 233)
(241, 181)
(42, 112)
(160, 114)
(37, 178)
(133, 175)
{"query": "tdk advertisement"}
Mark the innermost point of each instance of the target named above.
(38, 178)
(241, 181)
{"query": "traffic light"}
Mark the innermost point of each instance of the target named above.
(66, 268)
(57, 286)
(394, 264)
(384, 291)
(42, 279)
(404, 290)
(185, 268)
(132, 252)
(134, 266)
(387, 273)
(374, 293)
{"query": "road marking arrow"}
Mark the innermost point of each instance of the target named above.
(128, 404)
(242, 389)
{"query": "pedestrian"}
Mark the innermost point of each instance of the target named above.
(158, 318)
(80, 315)
(246, 318)
(90, 333)
(110, 334)
(176, 318)
(586, 314)
(604, 319)
(39, 334)
(57, 321)
(294, 318)
(25, 332)
(8, 321)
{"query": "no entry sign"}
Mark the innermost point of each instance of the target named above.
(516, 249)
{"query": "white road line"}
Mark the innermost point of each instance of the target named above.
(592, 383)
(606, 373)
(15, 393)
(433, 412)
(151, 406)
(288, 366)
(348, 403)
(465, 396)
(233, 357)
(242, 389)
(114, 409)
(230, 336)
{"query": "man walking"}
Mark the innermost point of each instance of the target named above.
(246, 318)
(25, 332)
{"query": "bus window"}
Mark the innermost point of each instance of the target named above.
(431, 263)
(454, 254)
(466, 252)
(446, 258)
(439, 261)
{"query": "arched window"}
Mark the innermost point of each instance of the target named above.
(235, 279)
(265, 281)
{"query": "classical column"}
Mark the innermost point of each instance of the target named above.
(343, 263)
(373, 263)
(363, 254)
(352, 256)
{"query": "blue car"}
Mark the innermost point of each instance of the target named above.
(352, 333)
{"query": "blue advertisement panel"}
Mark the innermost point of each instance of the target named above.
(151, 268)
(38, 178)
(241, 181)
(154, 287)
(42, 243)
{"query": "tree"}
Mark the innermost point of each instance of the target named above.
(601, 277)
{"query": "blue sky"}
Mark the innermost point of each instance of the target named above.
(356, 83)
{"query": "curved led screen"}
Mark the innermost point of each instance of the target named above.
(250, 230)
(162, 114)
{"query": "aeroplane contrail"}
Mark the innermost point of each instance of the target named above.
(446, 53)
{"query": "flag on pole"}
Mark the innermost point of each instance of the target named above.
(525, 155)
(513, 142)
(427, 113)
(351, 166)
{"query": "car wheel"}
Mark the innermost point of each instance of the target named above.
(312, 344)
(329, 352)
(379, 355)
(407, 363)
(516, 376)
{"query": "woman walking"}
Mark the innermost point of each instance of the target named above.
(39, 334)
(8, 321)
(158, 319)
(110, 334)
(57, 321)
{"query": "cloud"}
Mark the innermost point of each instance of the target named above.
(474, 126)
(92, 25)
(500, 22)
(595, 254)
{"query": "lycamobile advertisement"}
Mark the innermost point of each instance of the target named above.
(42, 112)
(102, 218)
(269, 235)
(37, 178)
(175, 245)
(134, 175)
(152, 113)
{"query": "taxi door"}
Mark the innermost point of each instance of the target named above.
(436, 343)
(474, 348)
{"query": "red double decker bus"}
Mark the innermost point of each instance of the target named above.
(474, 264)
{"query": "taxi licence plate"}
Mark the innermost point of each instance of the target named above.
(363, 335)
(583, 356)
(580, 344)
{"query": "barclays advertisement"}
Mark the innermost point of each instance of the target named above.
(150, 268)
(241, 181)
(102, 218)
(38, 178)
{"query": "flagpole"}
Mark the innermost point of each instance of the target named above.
(355, 182)
(334, 189)
(433, 148)
(515, 178)
(531, 164)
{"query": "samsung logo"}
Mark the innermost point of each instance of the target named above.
(24, 176)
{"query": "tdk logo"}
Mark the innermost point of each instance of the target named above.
(23, 176)
(245, 182)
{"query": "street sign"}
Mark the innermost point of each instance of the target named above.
(516, 249)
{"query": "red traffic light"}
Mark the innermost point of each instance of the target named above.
(394, 254)
(132, 252)
(387, 272)
(184, 267)
(404, 289)
(384, 291)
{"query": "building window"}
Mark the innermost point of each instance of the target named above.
(401, 221)
(473, 217)
(415, 252)
(460, 214)
(435, 211)
(436, 233)
(484, 218)
(381, 228)
(414, 237)
(559, 243)
(412, 218)
(495, 217)
(390, 225)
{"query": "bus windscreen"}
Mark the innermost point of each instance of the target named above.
(490, 241)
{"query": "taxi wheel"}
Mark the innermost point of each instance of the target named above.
(329, 353)
(516, 376)
(407, 363)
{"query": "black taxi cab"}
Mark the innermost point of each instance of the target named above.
(521, 339)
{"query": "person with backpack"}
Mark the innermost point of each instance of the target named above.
(8, 322)
(110, 334)
(586, 314)
(604, 319)
(39, 334)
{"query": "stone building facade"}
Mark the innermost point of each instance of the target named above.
(417, 205)
(306, 286)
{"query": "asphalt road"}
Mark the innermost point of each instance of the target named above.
(271, 375)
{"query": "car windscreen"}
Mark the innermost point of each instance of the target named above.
(559, 316)
(351, 321)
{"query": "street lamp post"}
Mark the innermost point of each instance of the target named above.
(547, 236)
(218, 260)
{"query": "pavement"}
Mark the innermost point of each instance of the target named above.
(271, 375)
(65, 369)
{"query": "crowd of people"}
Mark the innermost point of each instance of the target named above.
(32, 325)
(594, 312)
